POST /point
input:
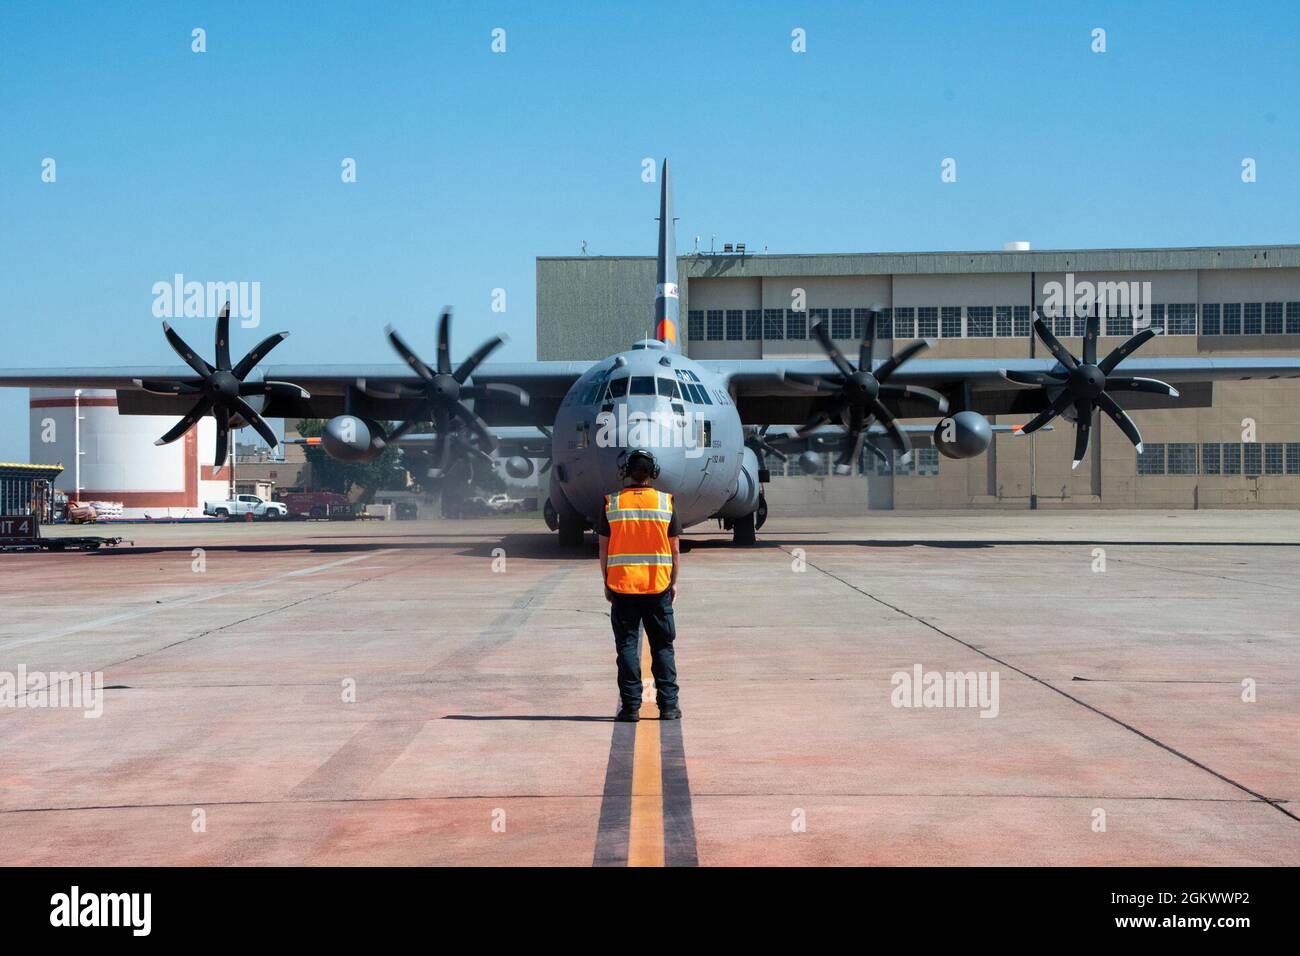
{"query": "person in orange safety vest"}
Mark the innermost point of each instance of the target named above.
(639, 559)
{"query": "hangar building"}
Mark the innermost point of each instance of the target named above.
(1244, 451)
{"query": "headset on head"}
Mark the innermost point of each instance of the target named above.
(644, 456)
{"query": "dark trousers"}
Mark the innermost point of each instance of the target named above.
(628, 613)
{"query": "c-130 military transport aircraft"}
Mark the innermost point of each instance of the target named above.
(709, 423)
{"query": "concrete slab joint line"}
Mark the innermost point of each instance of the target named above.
(380, 743)
(1276, 804)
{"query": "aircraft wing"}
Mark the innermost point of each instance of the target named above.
(331, 389)
(833, 438)
(766, 393)
(526, 441)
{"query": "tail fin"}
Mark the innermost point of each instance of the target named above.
(667, 306)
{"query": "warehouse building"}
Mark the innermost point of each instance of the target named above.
(1243, 451)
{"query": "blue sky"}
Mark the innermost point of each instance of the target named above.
(226, 165)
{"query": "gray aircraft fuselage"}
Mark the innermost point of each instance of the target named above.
(655, 398)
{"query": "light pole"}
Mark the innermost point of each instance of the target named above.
(76, 441)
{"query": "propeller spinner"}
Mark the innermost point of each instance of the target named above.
(221, 389)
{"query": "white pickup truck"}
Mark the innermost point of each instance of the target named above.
(242, 505)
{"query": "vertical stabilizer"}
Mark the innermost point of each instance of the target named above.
(667, 307)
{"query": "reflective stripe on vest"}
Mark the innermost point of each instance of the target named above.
(640, 557)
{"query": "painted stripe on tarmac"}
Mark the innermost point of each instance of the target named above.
(645, 844)
(645, 813)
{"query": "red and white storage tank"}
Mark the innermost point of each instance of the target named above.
(119, 461)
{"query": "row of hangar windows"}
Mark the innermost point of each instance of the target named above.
(1251, 459)
(989, 321)
(1231, 459)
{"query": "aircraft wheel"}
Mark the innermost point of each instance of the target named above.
(742, 530)
(571, 532)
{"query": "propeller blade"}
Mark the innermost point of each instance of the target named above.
(822, 383)
(1061, 353)
(1082, 426)
(1120, 418)
(868, 341)
(893, 363)
(502, 388)
(472, 450)
(891, 426)
(844, 465)
(167, 388)
(223, 338)
(467, 367)
(390, 391)
(545, 467)
(285, 390)
(246, 412)
(477, 425)
(408, 355)
(824, 337)
(917, 391)
(444, 343)
(1032, 378)
(1090, 338)
(1047, 414)
(818, 419)
(256, 354)
(1124, 351)
(201, 408)
(187, 354)
(396, 434)
(222, 415)
(1153, 385)
(872, 447)
(775, 452)
(444, 451)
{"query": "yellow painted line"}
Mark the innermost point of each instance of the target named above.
(645, 846)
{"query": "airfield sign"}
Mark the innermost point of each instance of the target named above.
(19, 527)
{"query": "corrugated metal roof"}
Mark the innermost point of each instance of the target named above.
(21, 466)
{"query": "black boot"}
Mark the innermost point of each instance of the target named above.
(670, 712)
(628, 715)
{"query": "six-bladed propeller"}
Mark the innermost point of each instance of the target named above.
(442, 392)
(857, 393)
(221, 389)
(1082, 385)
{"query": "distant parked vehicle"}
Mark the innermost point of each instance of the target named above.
(244, 506)
(316, 504)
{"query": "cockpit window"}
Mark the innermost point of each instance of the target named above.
(618, 387)
(643, 385)
(668, 388)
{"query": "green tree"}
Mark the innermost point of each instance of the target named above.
(329, 474)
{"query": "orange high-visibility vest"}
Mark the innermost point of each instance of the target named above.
(640, 557)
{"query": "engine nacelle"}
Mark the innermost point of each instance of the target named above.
(517, 466)
(809, 462)
(349, 438)
(748, 492)
(963, 435)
